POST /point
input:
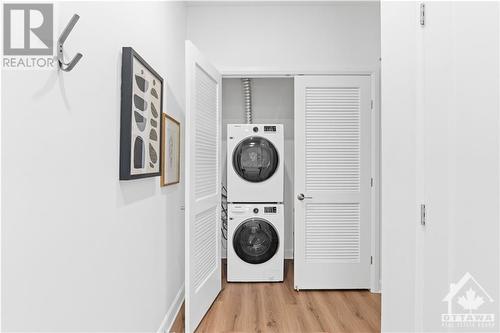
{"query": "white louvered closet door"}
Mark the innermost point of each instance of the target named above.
(332, 182)
(202, 235)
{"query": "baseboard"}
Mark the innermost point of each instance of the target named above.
(377, 290)
(172, 312)
(288, 253)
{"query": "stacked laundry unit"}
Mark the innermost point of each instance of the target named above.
(255, 202)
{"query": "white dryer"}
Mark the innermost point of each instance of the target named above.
(255, 242)
(255, 162)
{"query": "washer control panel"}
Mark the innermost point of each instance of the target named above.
(270, 210)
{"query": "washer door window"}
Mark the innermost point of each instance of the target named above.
(255, 241)
(255, 159)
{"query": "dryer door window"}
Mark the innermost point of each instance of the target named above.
(255, 241)
(255, 159)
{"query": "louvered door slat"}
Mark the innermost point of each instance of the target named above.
(332, 232)
(205, 251)
(206, 144)
(333, 133)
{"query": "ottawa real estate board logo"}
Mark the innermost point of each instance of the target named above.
(469, 305)
(28, 36)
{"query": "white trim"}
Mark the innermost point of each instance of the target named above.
(265, 3)
(262, 72)
(375, 195)
(374, 73)
(289, 253)
(172, 312)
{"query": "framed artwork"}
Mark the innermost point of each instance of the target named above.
(171, 154)
(141, 121)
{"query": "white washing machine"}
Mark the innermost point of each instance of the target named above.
(255, 162)
(255, 242)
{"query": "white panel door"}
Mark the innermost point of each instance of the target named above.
(203, 123)
(459, 135)
(332, 182)
(436, 110)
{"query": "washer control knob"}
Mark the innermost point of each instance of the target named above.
(255, 210)
(255, 129)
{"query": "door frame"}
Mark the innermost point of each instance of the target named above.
(374, 74)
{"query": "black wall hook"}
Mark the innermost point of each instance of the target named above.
(60, 46)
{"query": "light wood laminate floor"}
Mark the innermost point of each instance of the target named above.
(277, 307)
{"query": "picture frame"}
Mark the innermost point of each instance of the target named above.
(171, 153)
(140, 118)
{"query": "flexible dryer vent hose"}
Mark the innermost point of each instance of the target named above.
(247, 94)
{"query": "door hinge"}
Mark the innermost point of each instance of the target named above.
(422, 214)
(371, 182)
(371, 104)
(422, 14)
(371, 260)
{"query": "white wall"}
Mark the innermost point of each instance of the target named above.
(272, 102)
(398, 166)
(288, 36)
(474, 170)
(82, 251)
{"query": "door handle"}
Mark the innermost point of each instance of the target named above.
(301, 196)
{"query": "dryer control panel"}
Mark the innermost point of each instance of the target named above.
(269, 128)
